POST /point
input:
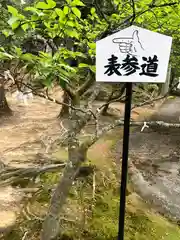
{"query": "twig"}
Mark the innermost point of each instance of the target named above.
(28, 211)
(155, 99)
(144, 126)
(117, 123)
(129, 19)
(29, 190)
(94, 185)
(25, 235)
(134, 12)
(111, 101)
(29, 172)
(56, 101)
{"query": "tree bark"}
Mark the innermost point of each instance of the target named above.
(65, 109)
(77, 154)
(105, 109)
(51, 225)
(4, 108)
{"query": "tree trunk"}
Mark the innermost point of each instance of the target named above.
(165, 86)
(76, 156)
(104, 111)
(51, 225)
(4, 108)
(65, 109)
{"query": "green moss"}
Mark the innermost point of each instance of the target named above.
(103, 224)
(142, 223)
(14, 235)
(97, 218)
(150, 226)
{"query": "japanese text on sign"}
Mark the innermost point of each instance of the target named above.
(130, 65)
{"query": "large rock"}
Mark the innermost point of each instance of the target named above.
(155, 155)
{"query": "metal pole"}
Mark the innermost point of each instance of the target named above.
(124, 169)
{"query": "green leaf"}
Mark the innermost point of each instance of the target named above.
(93, 10)
(70, 23)
(83, 65)
(15, 25)
(59, 12)
(5, 55)
(67, 67)
(12, 10)
(72, 33)
(28, 57)
(7, 33)
(34, 18)
(53, 15)
(34, 10)
(93, 68)
(66, 10)
(77, 3)
(12, 20)
(19, 31)
(76, 12)
(25, 26)
(51, 3)
(18, 51)
(80, 54)
(92, 45)
(62, 82)
(42, 5)
(48, 81)
(44, 54)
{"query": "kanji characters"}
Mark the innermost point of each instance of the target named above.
(113, 66)
(149, 68)
(130, 65)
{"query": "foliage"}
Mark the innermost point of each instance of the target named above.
(64, 25)
(50, 22)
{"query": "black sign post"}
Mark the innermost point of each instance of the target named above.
(124, 169)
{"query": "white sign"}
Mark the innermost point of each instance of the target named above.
(133, 54)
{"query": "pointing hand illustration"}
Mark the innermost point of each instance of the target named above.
(130, 45)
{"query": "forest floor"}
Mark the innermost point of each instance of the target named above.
(27, 133)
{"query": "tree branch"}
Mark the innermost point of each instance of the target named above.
(134, 12)
(9, 176)
(155, 99)
(87, 144)
(113, 99)
(85, 86)
(55, 100)
(131, 18)
(152, 5)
